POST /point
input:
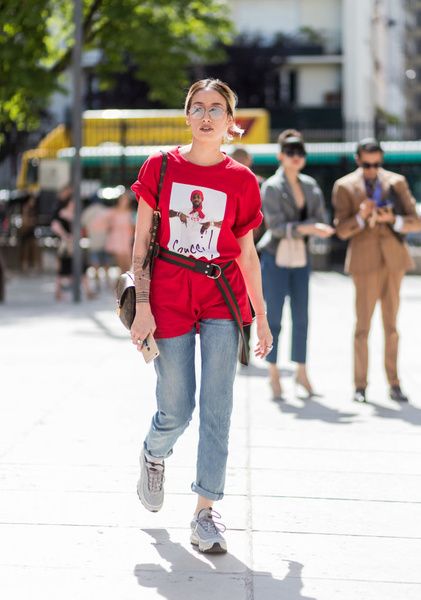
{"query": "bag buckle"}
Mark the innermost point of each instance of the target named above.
(212, 274)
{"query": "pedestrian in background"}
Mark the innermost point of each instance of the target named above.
(30, 255)
(184, 296)
(95, 221)
(373, 209)
(61, 225)
(294, 209)
(243, 156)
(121, 231)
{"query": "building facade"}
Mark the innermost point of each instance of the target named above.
(342, 70)
(413, 65)
(335, 69)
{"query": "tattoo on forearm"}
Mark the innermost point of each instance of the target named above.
(142, 280)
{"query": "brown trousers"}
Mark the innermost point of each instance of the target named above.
(383, 285)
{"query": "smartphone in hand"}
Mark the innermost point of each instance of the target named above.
(149, 349)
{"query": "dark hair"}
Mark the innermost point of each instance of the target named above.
(369, 145)
(241, 155)
(290, 136)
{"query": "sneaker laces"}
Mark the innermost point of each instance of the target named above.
(155, 476)
(207, 521)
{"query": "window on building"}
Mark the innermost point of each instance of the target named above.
(288, 86)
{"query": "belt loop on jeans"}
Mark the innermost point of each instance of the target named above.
(217, 273)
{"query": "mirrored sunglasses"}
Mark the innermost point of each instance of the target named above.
(214, 112)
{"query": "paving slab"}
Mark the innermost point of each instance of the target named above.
(374, 487)
(340, 557)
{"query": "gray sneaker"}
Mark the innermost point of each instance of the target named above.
(205, 533)
(150, 487)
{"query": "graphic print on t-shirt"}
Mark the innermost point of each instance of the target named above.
(196, 215)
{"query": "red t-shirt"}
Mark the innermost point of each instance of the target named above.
(203, 212)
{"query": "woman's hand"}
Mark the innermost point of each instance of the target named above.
(265, 343)
(322, 230)
(143, 324)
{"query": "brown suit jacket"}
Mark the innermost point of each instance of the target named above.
(371, 247)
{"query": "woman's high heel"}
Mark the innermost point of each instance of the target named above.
(306, 385)
(275, 382)
(302, 380)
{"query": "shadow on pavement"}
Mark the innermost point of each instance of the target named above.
(255, 371)
(405, 412)
(187, 576)
(103, 329)
(316, 411)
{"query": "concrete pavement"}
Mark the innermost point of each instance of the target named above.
(323, 497)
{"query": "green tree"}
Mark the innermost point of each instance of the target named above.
(161, 37)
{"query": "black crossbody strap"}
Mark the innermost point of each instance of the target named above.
(231, 301)
(156, 217)
(162, 174)
(216, 272)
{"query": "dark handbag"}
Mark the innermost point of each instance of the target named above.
(125, 289)
(126, 299)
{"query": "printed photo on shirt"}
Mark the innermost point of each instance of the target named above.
(196, 215)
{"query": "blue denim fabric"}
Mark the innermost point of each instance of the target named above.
(176, 391)
(279, 282)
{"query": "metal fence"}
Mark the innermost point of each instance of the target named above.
(354, 131)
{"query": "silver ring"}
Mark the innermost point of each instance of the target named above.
(139, 342)
(270, 347)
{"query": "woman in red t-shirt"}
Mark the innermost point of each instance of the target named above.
(209, 206)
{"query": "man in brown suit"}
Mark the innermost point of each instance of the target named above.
(373, 209)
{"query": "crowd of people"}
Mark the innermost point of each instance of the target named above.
(107, 230)
(372, 208)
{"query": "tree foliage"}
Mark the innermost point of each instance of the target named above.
(162, 38)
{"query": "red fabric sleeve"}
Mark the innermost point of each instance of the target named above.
(249, 214)
(146, 185)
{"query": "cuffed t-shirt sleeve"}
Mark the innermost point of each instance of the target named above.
(249, 213)
(146, 185)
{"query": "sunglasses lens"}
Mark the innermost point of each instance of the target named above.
(290, 152)
(367, 165)
(197, 112)
(216, 113)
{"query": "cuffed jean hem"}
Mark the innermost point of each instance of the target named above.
(272, 360)
(299, 359)
(151, 456)
(205, 493)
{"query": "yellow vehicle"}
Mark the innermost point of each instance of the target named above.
(131, 128)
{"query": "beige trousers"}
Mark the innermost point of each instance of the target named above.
(383, 285)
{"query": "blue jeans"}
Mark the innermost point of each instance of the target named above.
(176, 391)
(278, 283)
